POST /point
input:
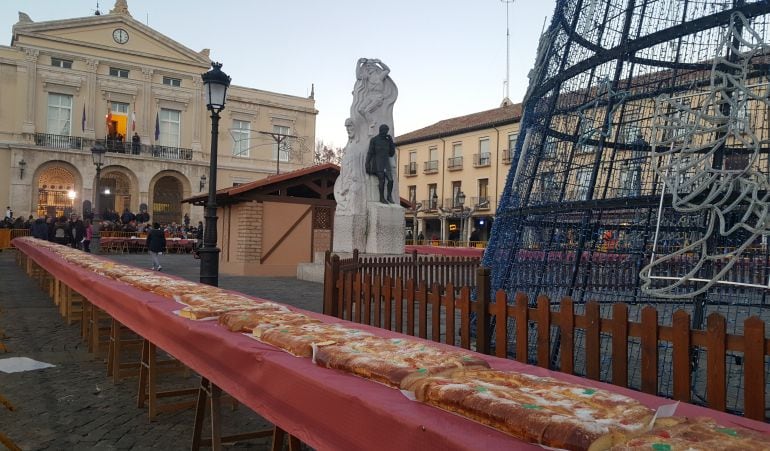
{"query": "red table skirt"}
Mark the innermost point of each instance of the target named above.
(324, 408)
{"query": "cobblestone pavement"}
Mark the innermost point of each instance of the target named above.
(73, 405)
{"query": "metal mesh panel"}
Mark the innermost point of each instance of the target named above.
(640, 174)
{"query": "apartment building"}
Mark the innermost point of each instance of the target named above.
(67, 85)
(453, 172)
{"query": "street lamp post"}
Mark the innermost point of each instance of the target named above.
(416, 209)
(461, 201)
(97, 155)
(215, 84)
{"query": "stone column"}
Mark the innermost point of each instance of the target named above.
(92, 100)
(147, 122)
(444, 228)
(30, 60)
(197, 113)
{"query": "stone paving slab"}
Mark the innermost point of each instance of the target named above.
(74, 406)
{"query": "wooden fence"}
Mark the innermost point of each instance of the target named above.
(441, 269)
(444, 314)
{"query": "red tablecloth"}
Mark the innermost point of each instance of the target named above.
(325, 408)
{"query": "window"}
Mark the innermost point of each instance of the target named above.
(170, 127)
(512, 141)
(456, 188)
(456, 161)
(59, 114)
(483, 158)
(457, 150)
(240, 134)
(432, 154)
(115, 72)
(172, 82)
(411, 168)
(432, 196)
(119, 108)
(285, 148)
(549, 148)
(413, 194)
(58, 62)
(548, 188)
(483, 192)
(582, 179)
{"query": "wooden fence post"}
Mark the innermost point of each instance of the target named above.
(754, 369)
(331, 275)
(482, 311)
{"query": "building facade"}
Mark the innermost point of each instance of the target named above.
(467, 154)
(67, 85)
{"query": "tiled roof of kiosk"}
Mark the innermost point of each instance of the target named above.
(267, 181)
(456, 125)
(276, 178)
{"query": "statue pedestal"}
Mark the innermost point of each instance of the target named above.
(349, 233)
(386, 228)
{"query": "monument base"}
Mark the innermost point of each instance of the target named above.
(386, 228)
(349, 233)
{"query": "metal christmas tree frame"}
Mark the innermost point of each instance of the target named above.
(641, 171)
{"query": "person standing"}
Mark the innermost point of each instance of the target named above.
(40, 229)
(136, 143)
(8, 213)
(88, 236)
(156, 244)
(75, 231)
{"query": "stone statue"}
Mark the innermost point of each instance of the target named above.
(374, 95)
(381, 150)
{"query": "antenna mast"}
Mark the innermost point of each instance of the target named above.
(507, 49)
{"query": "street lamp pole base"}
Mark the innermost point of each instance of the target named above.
(209, 273)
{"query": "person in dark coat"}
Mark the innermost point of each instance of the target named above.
(381, 149)
(40, 229)
(156, 244)
(60, 232)
(76, 232)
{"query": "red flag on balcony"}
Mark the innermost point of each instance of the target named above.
(109, 116)
(157, 127)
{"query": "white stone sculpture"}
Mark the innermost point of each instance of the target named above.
(374, 95)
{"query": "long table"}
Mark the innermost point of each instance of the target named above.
(324, 408)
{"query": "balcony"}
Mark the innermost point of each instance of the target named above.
(454, 163)
(113, 146)
(481, 160)
(410, 169)
(451, 203)
(481, 202)
(507, 156)
(430, 205)
(431, 167)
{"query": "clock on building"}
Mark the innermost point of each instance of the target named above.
(120, 36)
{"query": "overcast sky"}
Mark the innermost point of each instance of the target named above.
(447, 57)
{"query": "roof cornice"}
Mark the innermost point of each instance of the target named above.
(35, 29)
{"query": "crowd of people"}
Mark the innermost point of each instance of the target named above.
(77, 231)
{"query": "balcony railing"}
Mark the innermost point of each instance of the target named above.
(430, 205)
(452, 203)
(454, 163)
(481, 160)
(113, 146)
(58, 141)
(431, 167)
(410, 169)
(481, 202)
(507, 156)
